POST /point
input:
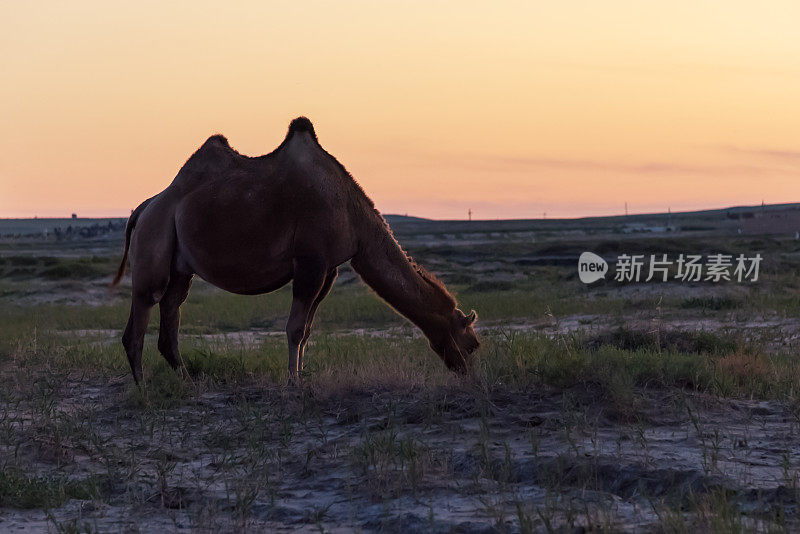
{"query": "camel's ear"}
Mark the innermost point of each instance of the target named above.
(471, 318)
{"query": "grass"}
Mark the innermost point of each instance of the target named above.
(391, 462)
(711, 303)
(615, 361)
(18, 490)
(618, 363)
(56, 268)
(345, 307)
(541, 437)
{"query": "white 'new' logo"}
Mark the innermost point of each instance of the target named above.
(591, 267)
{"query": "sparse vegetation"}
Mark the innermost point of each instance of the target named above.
(609, 407)
(18, 490)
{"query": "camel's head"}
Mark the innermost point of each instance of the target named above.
(457, 341)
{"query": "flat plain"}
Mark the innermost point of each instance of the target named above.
(659, 406)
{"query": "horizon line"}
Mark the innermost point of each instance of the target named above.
(578, 217)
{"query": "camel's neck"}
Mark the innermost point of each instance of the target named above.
(384, 267)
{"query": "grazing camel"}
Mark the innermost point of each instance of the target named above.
(249, 225)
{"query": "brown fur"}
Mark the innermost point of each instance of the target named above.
(249, 225)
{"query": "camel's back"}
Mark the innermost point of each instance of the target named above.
(298, 168)
(214, 162)
(264, 208)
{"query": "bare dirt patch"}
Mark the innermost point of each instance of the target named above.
(409, 459)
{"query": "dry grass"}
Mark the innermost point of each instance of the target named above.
(574, 420)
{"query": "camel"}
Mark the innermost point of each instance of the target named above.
(250, 225)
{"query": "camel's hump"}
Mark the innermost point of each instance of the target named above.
(301, 124)
(217, 139)
(214, 152)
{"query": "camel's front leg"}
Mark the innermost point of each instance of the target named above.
(323, 292)
(308, 281)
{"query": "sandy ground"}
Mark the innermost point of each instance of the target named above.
(461, 457)
(774, 332)
(403, 461)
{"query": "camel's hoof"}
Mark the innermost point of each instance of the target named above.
(183, 372)
(294, 380)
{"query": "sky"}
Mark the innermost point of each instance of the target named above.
(508, 109)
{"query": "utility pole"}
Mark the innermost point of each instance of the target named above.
(626, 208)
(469, 214)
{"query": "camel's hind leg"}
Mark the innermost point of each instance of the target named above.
(326, 288)
(133, 338)
(151, 257)
(308, 279)
(170, 308)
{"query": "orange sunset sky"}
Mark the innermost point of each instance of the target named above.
(511, 109)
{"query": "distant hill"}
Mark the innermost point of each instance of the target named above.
(702, 214)
(392, 218)
(727, 219)
(79, 226)
(724, 221)
(39, 225)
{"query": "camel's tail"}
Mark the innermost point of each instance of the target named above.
(128, 230)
